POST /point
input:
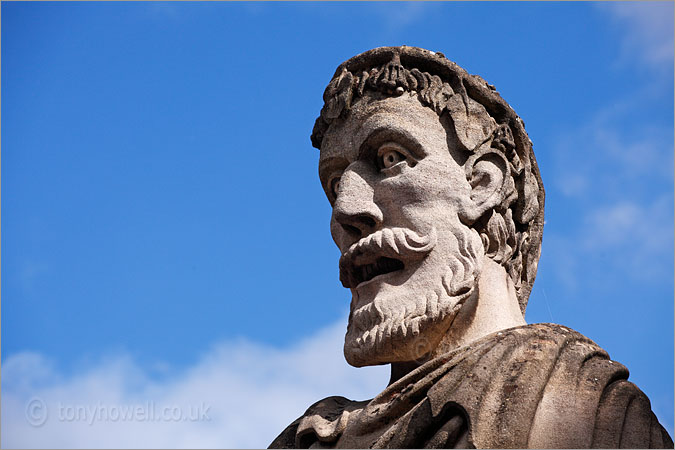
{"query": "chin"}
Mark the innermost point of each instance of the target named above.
(388, 330)
(402, 316)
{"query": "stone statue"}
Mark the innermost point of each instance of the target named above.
(438, 210)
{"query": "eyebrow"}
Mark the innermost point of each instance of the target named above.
(383, 134)
(376, 137)
(329, 163)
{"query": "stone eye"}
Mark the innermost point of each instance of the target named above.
(389, 156)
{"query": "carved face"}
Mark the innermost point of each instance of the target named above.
(389, 172)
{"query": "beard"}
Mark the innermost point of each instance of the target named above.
(406, 323)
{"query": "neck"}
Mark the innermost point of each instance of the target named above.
(492, 307)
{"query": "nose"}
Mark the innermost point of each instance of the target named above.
(354, 209)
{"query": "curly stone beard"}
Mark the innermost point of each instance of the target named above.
(387, 330)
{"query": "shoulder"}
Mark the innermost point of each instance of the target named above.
(625, 419)
(325, 410)
(502, 380)
(585, 391)
(546, 386)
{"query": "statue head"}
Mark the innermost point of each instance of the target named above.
(431, 177)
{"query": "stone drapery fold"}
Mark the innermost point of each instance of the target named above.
(534, 386)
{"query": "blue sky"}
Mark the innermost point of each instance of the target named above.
(165, 237)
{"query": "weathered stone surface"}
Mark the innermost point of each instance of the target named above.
(438, 211)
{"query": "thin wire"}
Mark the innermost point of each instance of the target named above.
(547, 307)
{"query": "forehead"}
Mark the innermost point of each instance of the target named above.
(399, 115)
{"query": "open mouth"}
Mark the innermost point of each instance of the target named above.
(383, 252)
(383, 265)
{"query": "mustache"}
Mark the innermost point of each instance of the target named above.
(402, 244)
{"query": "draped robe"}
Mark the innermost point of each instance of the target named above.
(533, 386)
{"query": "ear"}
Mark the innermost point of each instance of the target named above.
(487, 174)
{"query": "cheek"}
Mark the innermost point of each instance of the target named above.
(337, 232)
(427, 185)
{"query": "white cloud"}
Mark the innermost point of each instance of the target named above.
(402, 14)
(647, 28)
(162, 11)
(605, 155)
(641, 235)
(239, 394)
(614, 224)
(614, 171)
